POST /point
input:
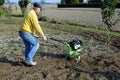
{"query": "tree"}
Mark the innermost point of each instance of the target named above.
(81, 1)
(1, 2)
(62, 1)
(23, 5)
(71, 1)
(108, 11)
(75, 1)
(118, 1)
(67, 1)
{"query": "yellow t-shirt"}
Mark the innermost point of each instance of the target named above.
(30, 23)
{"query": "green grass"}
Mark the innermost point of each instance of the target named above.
(67, 25)
(85, 28)
(91, 29)
(98, 30)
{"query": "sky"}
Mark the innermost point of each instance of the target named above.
(47, 1)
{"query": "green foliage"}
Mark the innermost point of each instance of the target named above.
(2, 11)
(81, 1)
(23, 5)
(67, 1)
(71, 1)
(108, 10)
(2, 2)
(75, 1)
(17, 15)
(118, 1)
(43, 18)
(62, 1)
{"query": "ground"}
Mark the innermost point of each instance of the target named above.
(97, 61)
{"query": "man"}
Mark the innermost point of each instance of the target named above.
(27, 33)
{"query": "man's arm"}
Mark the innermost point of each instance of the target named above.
(38, 27)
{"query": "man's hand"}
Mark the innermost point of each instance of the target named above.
(44, 37)
(36, 36)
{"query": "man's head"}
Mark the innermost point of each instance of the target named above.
(37, 7)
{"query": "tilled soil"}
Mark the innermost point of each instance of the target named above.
(97, 61)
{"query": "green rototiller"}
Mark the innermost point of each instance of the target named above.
(74, 48)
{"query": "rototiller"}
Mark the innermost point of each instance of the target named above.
(74, 48)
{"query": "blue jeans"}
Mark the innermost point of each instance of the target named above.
(31, 45)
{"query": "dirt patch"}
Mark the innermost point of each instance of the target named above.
(97, 61)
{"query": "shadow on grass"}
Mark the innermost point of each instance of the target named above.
(13, 42)
(51, 55)
(13, 63)
(6, 60)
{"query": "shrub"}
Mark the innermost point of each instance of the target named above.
(108, 11)
(2, 11)
(118, 1)
(71, 1)
(23, 5)
(43, 18)
(17, 15)
(1, 2)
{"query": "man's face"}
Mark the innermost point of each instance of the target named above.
(38, 10)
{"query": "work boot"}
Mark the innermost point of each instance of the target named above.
(30, 63)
